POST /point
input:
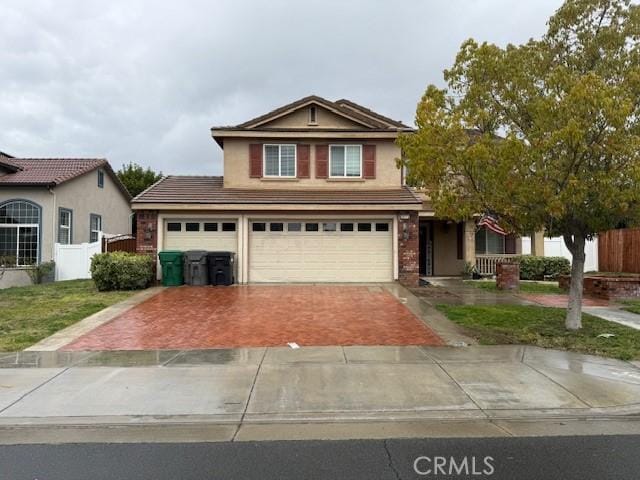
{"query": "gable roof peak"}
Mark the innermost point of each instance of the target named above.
(304, 101)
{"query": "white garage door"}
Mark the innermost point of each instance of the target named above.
(320, 251)
(201, 234)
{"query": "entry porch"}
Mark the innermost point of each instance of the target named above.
(446, 246)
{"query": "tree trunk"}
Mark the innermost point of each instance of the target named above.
(575, 245)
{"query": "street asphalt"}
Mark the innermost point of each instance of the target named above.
(548, 458)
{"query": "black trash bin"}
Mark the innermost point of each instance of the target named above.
(195, 267)
(220, 266)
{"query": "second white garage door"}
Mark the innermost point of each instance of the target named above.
(320, 251)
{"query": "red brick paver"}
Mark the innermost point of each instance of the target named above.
(553, 300)
(257, 316)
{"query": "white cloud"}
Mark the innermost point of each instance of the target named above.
(144, 81)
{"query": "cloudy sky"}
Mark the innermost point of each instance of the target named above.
(143, 81)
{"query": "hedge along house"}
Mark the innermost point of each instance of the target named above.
(49, 200)
(311, 193)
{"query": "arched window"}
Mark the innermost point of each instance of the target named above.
(19, 233)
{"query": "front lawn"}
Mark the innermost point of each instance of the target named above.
(632, 306)
(544, 327)
(525, 286)
(32, 313)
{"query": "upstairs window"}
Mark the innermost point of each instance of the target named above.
(345, 161)
(279, 160)
(101, 178)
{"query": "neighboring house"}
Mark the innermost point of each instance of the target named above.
(49, 200)
(555, 247)
(311, 193)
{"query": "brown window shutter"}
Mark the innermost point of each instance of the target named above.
(368, 161)
(255, 160)
(322, 161)
(510, 244)
(303, 154)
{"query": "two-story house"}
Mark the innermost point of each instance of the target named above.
(311, 193)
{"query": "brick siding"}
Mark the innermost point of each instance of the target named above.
(408, 241)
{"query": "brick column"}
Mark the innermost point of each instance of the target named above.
(508, 276)
(147, 232)
(408, 242)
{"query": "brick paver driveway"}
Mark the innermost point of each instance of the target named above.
(257, 316)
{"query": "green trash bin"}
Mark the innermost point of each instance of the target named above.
(171, 263)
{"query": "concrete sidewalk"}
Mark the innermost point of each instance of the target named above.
(615, 314)
(242, 390)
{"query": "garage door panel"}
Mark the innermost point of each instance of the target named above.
(201, 240)
(320, 256)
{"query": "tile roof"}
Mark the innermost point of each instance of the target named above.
(54, 171)
(7, 163)
(197, 189)
(343, 102)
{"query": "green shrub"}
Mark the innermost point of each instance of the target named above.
(121, 271)
(556, 266)
(539, 268)
(41, 272)
(531, 267)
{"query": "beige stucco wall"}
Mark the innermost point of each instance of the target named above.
(84, 197)
(236, 167)
(42, 197)
(445, 250)
(300, 119)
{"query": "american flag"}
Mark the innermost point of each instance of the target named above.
(491, 223)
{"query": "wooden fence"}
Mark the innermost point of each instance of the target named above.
(619, 250)
(124, 243)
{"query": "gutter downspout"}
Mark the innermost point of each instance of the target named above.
(53, 223)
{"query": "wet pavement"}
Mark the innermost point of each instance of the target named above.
(313, 384)
(561, 301)
(257, 316)
(461, 293)
(615, 314)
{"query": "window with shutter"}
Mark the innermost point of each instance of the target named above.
(345, 161)
(279, 160)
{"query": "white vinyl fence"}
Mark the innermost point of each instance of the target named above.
(74, 261)
(555, 247)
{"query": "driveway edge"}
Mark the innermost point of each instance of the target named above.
(69, 334)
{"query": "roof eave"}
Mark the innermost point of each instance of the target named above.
(207, 205)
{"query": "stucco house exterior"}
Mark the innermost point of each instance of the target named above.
(49, 200)
(311, 192)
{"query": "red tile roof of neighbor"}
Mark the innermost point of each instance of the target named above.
(54, 171)
(194, 189)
